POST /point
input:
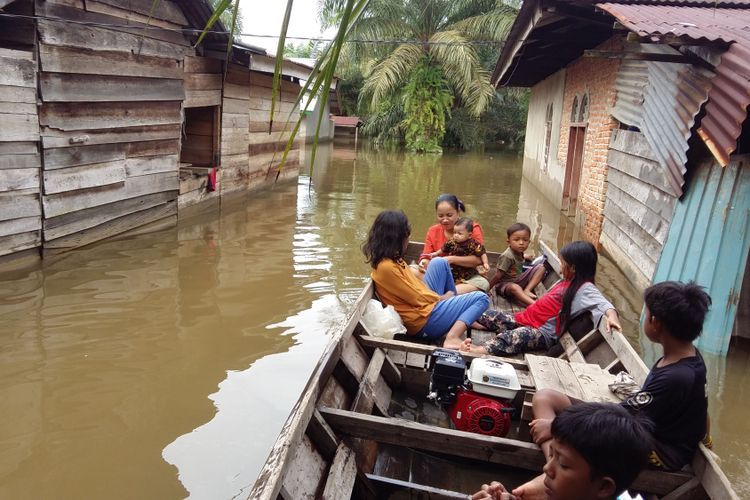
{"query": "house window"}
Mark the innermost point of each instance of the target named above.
(583, 111)
(547, 135)
(200, 140)
(574, 110)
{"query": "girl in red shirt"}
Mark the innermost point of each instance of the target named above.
(541, 324)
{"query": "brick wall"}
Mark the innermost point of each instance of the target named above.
(597, 78)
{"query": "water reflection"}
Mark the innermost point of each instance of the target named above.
(163, 365)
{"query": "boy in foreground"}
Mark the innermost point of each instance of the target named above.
(596, 452)
(673, 396)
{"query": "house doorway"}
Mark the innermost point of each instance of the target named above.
(200, 142)
(579, 116)
(574, 166)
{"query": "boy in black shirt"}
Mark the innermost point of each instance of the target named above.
(673, 396)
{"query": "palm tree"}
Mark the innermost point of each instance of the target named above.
(432, 47)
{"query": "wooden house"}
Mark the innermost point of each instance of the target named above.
(113, 121)
(637, 127)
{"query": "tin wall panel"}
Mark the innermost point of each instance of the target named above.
(662, 100)
(708, 243)
(632, 78)
(729, 95)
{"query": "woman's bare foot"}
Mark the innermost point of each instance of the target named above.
(455, 344)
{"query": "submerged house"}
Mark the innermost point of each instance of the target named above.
(112, 120)
(638, 127)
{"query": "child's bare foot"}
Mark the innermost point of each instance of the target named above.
(467, 346)
(477, 326)
(530, 294)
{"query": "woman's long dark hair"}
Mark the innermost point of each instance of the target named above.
(581, 255)
(457, 204)
(386, 237)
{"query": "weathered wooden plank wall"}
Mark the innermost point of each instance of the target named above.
(639, 206)
(20, 211)
(247, 149)
(110, 117)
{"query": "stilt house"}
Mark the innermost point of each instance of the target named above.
(638, 127)
(112, 121)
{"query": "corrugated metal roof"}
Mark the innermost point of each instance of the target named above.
(632, 78)
(346, 121)
(662, 99)
(730, 91)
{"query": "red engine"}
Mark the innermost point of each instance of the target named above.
(474, 412)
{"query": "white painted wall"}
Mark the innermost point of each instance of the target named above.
(548, 180)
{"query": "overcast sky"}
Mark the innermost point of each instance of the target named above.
(264, 17)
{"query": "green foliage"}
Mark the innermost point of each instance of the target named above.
(449, 27)
(383, 125)
(427, 101)
(348, 93)
(503, 123)
(226, 15)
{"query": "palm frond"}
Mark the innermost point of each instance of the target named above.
(493, 25)
(322, 76)
(276, 86)
(387, 75)
(457, 57)
(481, 93)
(218, 11)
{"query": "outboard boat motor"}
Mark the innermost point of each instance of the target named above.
(480, 402)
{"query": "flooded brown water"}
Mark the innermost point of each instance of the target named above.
(163, 365)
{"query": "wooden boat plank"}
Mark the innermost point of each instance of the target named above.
(322, 436)
(552, 259)
(307, 469)
(590, 341)
(581, 381)
(711, 476)
(691, 489)
(341, 477)
(572, 351)
(354, 358)
(625, 353)
(391, 373)
(601, 355)
(553, 373)
(367, 395)
(334, 395)
(269, 482)
(411, 347)
(417, 360)
(594, 383)
(430, 438)
(660, 482)
(388, 486)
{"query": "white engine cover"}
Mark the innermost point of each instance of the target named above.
(494, 378)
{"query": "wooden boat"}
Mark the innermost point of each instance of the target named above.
(341, 440)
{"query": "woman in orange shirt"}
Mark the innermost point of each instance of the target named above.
(430, 308)
(448, 209)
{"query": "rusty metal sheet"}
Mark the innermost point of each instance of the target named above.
(662, 100)
(632, 78)
(729, 95)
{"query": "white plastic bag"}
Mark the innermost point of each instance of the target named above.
(382, 321)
